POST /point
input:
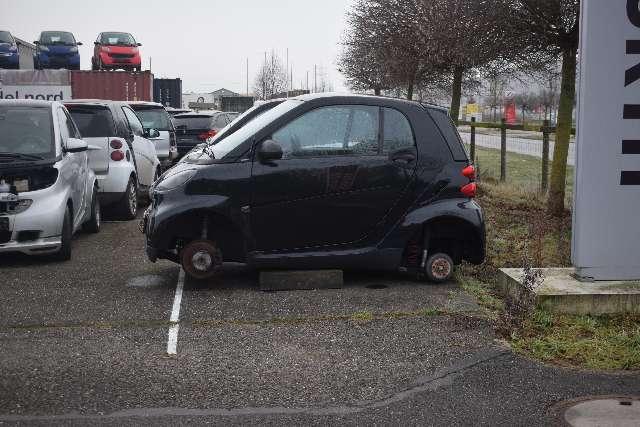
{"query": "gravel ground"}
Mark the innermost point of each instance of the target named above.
(85, 342)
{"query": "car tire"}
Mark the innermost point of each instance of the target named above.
(127, 207)
(93, 225)
(439, 268)
(200, 259)
(64, 253)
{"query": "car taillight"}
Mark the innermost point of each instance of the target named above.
(469, 190)
(117, 155)
(469, 172)
(207, 135)
(115, 144)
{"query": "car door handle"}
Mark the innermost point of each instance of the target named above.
(402, 157)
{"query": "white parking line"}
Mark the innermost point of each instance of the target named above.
(172, 342)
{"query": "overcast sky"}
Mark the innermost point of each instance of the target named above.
(204, 42)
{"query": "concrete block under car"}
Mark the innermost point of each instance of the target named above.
(290, 280)
(562, 292)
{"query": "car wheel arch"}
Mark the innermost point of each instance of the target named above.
(199, 224)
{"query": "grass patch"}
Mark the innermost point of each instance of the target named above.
(523, 171)
(517, 227)
(593, 342)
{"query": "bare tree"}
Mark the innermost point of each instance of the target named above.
(272, 77)
(552, 27)
(526, 102)
(324, 83)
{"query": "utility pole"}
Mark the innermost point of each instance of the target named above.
(287, 72)
(247, 76)
(315, 78)
(307, 79)
(264, 77)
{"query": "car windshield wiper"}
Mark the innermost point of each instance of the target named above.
(21, 156)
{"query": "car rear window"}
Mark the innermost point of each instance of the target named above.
(194, 122)
(450, 134)
(93, 122)
(153, 118)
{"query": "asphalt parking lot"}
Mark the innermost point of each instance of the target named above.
(87, 341)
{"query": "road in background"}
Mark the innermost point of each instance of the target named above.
(516, 143)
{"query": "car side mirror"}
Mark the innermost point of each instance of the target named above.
(151, 133)
(79, 43)
(74, 145)
(269, 150)
(139, 44)
(96, 43)
(36, 42)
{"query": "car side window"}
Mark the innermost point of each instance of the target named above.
(397, 131)
(331, 131)
(71, 126)
(63, 125)
(134, 121)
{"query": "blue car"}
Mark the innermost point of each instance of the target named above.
(9, 57)
(57, 49)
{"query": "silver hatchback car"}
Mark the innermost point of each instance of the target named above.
(47, 189)
(154, 116)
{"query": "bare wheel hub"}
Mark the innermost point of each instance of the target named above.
(441, 268)
(200, 259)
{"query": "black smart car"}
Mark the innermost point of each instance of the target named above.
(324, 181)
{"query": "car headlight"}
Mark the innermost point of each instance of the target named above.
(175, 180)
(73, 49)
(43, 48)
(13, 48)
(21, 206)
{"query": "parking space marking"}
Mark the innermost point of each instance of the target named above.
(172, 341)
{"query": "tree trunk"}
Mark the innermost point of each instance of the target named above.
(456, 93)
(410, 91)
(376, 91)
(555, 202)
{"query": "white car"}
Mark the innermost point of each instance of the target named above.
(47, 189)
(121, 153)
(155, 116)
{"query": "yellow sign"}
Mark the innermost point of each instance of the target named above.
(473, 108)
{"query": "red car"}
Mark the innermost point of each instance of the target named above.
(114, 51)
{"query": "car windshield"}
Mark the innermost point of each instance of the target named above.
(231, 142)
(26, 130)
(123, 39)
(57, 37)
(93, 121)
(5, 37)
(153, 118)
(192, 121)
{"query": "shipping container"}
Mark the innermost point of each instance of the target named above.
(238, 104)
(112, 85)
(26, 51)
(168, 92)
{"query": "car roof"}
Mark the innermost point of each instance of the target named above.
(356, 97)
(194, 114)
(29, 102)
(145, 104)
(103, 102)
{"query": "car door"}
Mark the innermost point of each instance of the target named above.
(144, 150)
(77, 167)
(335, 183)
